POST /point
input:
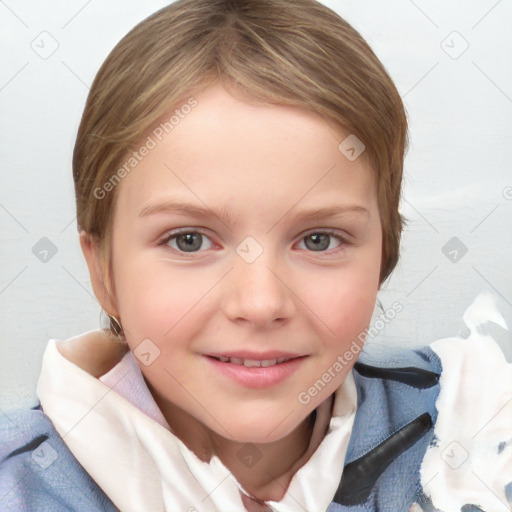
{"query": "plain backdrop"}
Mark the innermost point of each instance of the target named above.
(451, 61)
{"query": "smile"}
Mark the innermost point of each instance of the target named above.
(255, 373)
(252, 363)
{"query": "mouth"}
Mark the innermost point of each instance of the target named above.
(256, 372)
(253, 363)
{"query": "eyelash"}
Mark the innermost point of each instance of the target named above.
(174, 234)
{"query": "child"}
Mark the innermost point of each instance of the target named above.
(238, 174)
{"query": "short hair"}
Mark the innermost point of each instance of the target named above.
(288, 52)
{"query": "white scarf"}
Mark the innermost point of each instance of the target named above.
(116, 431)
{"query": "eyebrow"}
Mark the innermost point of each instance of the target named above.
(200, 212)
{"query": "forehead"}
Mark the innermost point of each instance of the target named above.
(229, 149)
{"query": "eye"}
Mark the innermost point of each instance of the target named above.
(320, 241)
(185, 241)
(190, 241)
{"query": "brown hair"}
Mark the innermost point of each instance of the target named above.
(289, 52)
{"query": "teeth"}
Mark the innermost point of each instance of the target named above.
(253, 363)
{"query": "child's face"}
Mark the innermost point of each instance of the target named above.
(251, 282)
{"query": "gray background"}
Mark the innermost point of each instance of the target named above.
(458, 180)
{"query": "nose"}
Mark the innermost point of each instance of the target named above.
(258, 292)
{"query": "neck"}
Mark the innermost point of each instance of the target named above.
(278, 461)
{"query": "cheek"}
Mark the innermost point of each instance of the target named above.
(155, 300)
(352, 317)
(344, 310)
(344, 301)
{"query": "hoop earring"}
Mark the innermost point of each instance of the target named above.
(116, 329)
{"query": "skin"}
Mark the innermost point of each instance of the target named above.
(262, 164)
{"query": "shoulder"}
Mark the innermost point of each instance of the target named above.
(37, 470)
(20, 431)
(395, 383)
(397, 390)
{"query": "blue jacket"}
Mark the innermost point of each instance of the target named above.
(393, 427)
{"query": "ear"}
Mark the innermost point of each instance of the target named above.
(92, 254)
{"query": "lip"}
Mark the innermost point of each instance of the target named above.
(257, 377)
(258, 356)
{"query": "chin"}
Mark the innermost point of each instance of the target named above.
(262, 430)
